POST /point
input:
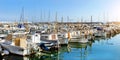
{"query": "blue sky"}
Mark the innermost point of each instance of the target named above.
(10, 10)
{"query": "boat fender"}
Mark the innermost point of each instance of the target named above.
(5, 52)
(51, 44)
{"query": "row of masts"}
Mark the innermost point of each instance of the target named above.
(22, 20)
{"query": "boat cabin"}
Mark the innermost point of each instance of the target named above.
(49, 36)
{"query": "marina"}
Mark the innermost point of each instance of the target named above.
(50, 43)
(101, 48)
(59, 29)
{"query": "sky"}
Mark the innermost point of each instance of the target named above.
(41, 10)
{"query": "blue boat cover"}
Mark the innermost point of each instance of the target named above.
(99, 28)
(21, 26)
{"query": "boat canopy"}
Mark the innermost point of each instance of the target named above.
(21, 26)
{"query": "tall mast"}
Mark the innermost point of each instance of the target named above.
(78, 20)
(44, 16)
(67, 18)
(107, 18)
(104, 18)
(56, 17)
(91, 22)
(22, 16)
(41, 14)
(62, 19)
(98, 19)
(49, 19)
(55, 24)
(81, 19)
(49, 16)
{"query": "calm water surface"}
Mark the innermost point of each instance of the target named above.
(99, 49)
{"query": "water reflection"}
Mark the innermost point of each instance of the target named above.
(88, 51)
(33, 57)
(44, 57)
(14, 57)
(102, 48)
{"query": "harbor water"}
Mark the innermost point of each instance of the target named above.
(101, 48)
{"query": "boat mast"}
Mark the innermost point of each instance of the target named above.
(41, 15)
(55, 24)
(49, 16)
(104, 18)
(68, 19)
(62, 21)
(91, 23)
(44, 15)
(108, 19)
(67, 24)
(81, 22)
(22, 16)
(49, 20)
